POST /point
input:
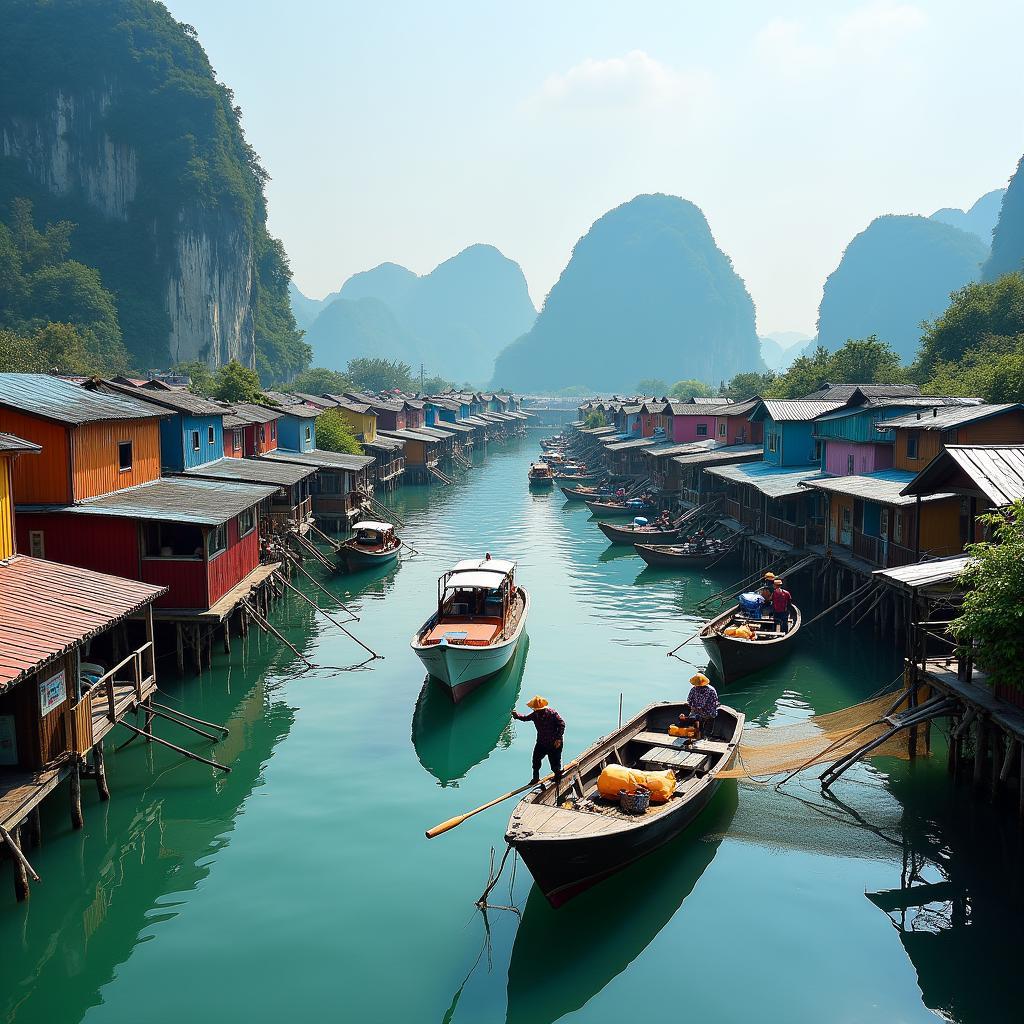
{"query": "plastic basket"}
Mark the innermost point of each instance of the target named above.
(635, 803)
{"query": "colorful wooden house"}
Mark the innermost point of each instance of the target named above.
(250, 430)
(689, 422)
(390, 415)
(389, 461)
(423, 453)
(296, 427)
(339, 487)
(360, 417)
(788, 429)
(193, 431)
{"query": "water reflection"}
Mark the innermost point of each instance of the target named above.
(450, 739)
(562, 958)
(373, 582)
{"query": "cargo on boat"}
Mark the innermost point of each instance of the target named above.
(687, 555)
(374, 544)
(570, 848)
(736, 656)
(480, 619)
(540, 475)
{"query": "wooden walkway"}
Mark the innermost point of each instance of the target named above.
(941, 673)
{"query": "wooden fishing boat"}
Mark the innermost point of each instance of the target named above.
(583, 479)
(733, 656)
(584, 491)
(480, 618)
(686, 556)
(610, 507)
(540, 475)
(633, 534)
(570, 850)
(374, 544)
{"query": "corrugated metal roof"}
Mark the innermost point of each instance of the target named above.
(844, 392)
(384, 444)
(10, 443)
(410, 435)
(948, 417)
(320, 401)
(252, 471)
(923, 575)
(320, 459)
(39, 394)
(47, 609)
(455, 428)
(635, 442)
(721, 455)
(768, 479)
(248, 412)
(997, 470)
(298, 409)
(178, 400)
(885, 487)
(793, 410)
(171, 499)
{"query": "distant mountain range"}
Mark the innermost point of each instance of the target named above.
(779, 349)
(646, 293)
(979, 220)
(454, 320)
(896, 273)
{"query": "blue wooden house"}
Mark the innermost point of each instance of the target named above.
(296, 429)
(789, 429)
(192, 437)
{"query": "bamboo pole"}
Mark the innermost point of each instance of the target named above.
(265, 625)
(199, 721)
(333, 620)
(23, 869)
(175, 747)
(185, 725)
(298, 565)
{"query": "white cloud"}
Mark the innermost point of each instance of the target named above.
(636, 80)
(866, 33)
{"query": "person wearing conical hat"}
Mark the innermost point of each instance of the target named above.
(550, 729)
(767, 587)
(701, 707)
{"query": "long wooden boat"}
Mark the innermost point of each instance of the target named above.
(540, 475)
(733, 656)
(633, 534)
(616, 507)
(480, 618)
(584, 491)
(685, 556)
(374, 544)
(570, 850)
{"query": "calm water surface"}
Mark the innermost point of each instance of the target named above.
(300, 886)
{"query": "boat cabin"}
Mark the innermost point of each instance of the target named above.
(372, 535)
(475, 602)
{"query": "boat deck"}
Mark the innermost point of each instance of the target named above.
(473, 632)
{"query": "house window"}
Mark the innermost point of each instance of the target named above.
(263, 433)
(309, 433)
(211, 435)
(236, 440)
(722, 428)
(702, 430)
(124, 455)
(172, 540)
(816, 453)
(897, 527)
(883, 523)
(216, 541)
(195, 440)
(849, 463)
(911, 446)
(246, 522)
(36, 545)
(273, 430)
(772, 443)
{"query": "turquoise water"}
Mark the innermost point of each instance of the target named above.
(300, 885)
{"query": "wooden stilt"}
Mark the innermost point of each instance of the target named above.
(209, 647)
(34, 827)
(101, 771)
(148, 723)
(77, 821)
(179, 648)
(227, 634)
(197, 651)
(21, 890)
(980, 750)
(997, 763)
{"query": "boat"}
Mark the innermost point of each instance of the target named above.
(374, 544)
(585, 491)
(540, 475)
(686, 555)
(480, 618)
(733, 656)
(618, 507)
(643, 532)
(574, 474)
(570, 849)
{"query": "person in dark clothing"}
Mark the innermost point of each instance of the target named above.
(781, 600)
(550, 729)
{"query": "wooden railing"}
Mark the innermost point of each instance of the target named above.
(885, 556)
(815, 533)
(791, 533)
(731, 508)
(143, 675)
(389, 470)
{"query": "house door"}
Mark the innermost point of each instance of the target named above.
(846, 528)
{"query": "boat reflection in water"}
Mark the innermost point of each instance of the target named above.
(450, 739)
(371, 584)
(562, 958)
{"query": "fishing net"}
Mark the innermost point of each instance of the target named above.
(818, 740)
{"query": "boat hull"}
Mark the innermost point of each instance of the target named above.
(734, 658)
(354, 560)
(542, 483)
(561, 878)
(616, 511)
(654, 556)
(460, 669)
(581, 479)
(626, 535)
(575, 495)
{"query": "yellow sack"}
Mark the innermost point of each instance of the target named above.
(615, 777)
(688, 732)
(743, 632)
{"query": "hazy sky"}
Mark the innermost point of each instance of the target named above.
(407, 131)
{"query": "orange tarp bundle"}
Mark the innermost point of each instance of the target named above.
(616, 777)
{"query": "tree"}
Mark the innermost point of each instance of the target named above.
(807, 374)
(435, 385)
(686, 389)
(333, 433)
(375, 374)
(200, 378)
(747, 385)
(652, 386)
(234, 382)
(868, 361)
(593, 419)
(53, 347)
(993, 372)
(320, 381)
(992, 615)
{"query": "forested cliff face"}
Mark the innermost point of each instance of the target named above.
(647, 293)
(111, 118)
(1008, 237)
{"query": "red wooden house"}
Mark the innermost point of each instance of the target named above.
(391, 415)
(250, 430)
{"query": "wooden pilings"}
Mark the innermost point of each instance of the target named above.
(101, 771)
(77, 821)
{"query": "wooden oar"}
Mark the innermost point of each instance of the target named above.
(447, 826)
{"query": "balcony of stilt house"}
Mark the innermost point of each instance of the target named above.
(76, 657)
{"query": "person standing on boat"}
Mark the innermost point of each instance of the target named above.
(701, 707)
(550, 729)
(781, 600)
(766, 592)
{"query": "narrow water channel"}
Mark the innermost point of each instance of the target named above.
(300, 886)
